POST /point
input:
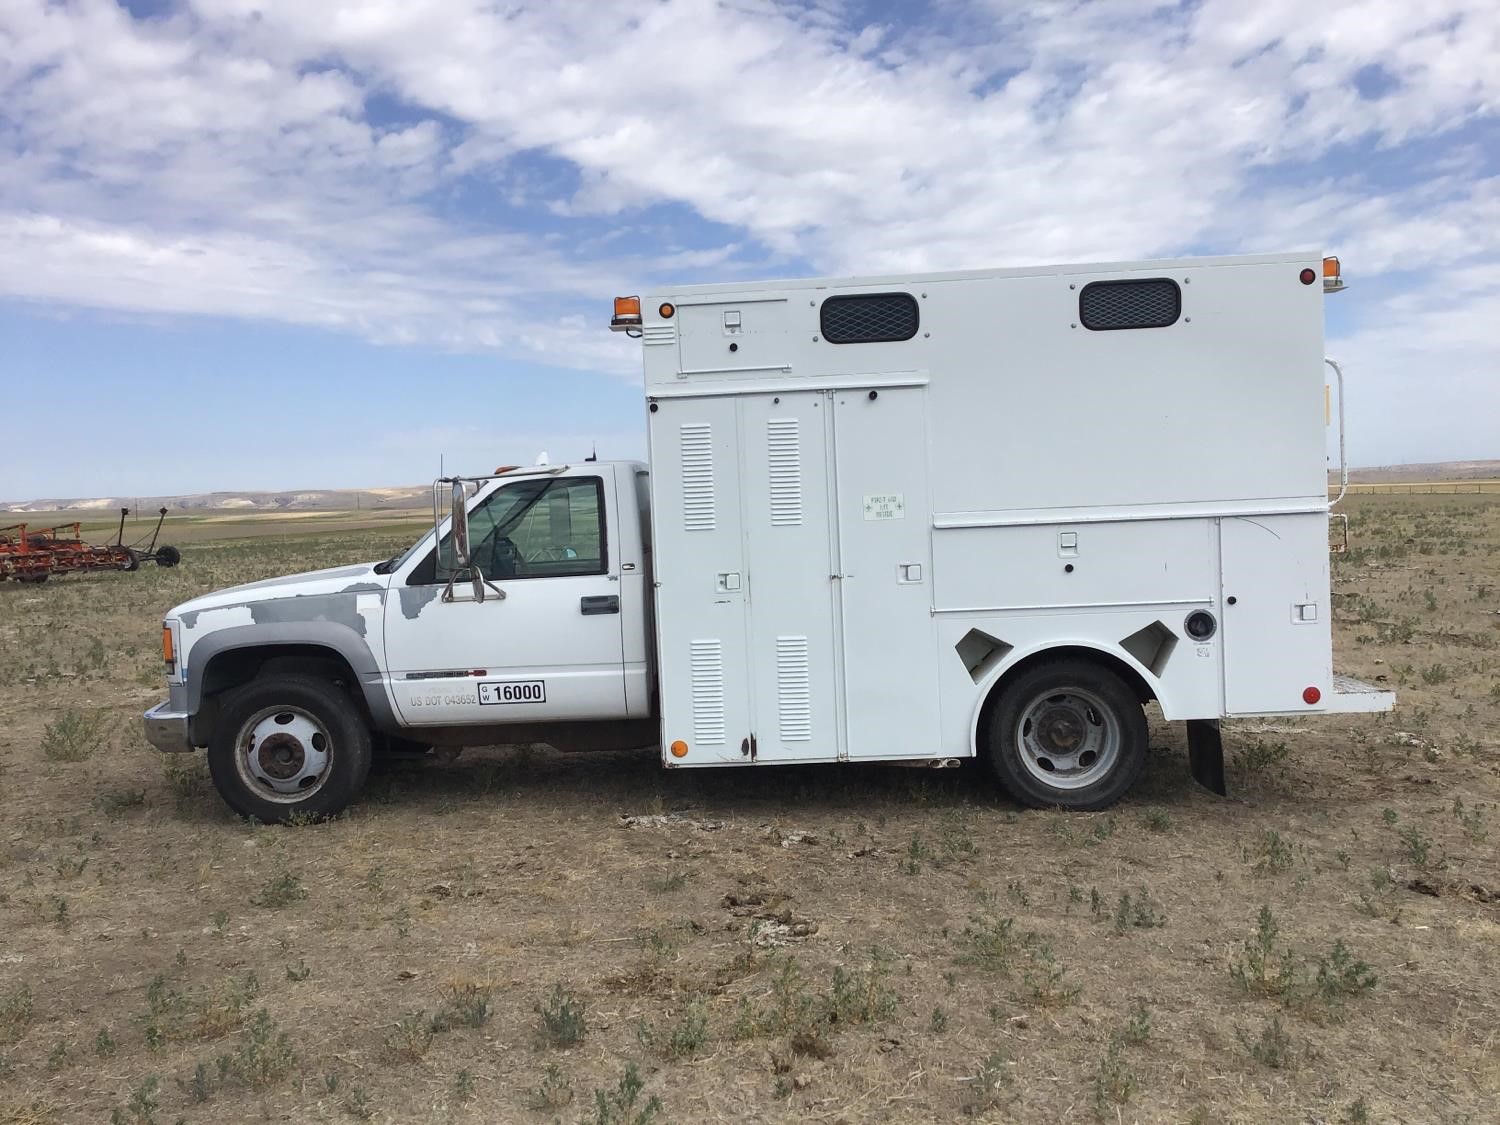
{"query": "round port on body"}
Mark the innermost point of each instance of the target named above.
(1200, 625)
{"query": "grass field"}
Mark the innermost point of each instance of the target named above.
(529, 936)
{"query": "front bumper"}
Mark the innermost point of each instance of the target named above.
(167, 730)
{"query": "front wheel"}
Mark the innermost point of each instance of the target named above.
(1068, 733)
(289, 746)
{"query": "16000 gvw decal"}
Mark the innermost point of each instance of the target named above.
(513, 691)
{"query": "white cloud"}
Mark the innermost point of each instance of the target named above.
(226, 159)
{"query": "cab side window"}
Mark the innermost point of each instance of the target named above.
(532, 528)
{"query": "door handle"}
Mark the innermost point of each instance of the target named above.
(605, 603)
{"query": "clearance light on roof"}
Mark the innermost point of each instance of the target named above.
(627, 314)
(1332, 278)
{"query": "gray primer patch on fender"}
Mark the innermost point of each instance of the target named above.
(340, 608)
(364, 588)
(414, 598)
(190, 618)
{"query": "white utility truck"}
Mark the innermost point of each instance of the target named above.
(895, 519)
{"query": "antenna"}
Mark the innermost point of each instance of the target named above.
(594, 456)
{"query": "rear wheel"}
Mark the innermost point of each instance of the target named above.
(286, 746)
(1069, 733)
(168, 556)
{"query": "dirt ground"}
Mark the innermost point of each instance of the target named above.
(521, 935)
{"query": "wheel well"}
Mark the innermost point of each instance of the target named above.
(238, 666)
(1136, 682)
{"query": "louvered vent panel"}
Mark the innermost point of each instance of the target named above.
(784, 453)
(1150, 303)
(707, 672)
(658, 334)
(697, 476)
(793, 689)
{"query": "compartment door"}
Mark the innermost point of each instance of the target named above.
(786, 510)
(1277, 635)
(885, 559)
(701, 574)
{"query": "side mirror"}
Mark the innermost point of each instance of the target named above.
(462, 560)
(458, 540)
(459, 536)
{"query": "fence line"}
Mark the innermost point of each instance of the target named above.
(1424, 487)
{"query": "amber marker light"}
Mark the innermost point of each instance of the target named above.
(168, 654)
(679, 749)
(667, 310)
(1333, 275)
(627, 314)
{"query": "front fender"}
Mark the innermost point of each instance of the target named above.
(332, 636)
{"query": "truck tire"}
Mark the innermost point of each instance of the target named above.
(1067, 733)
(289, 746)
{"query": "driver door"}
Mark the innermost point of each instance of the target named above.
(550, 649)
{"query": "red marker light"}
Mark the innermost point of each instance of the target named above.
(1311, 695)
(1308, 277)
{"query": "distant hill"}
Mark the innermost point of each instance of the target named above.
(420, 495)
(1440, 470)
(303, 500)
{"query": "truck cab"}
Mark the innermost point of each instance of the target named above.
(292, 683)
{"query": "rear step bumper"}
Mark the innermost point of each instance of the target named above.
(1351, 696)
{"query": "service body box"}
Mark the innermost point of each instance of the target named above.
(870, 495)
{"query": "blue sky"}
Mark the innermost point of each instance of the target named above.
(273, 244)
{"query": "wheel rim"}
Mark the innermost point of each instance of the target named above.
(1068, 739)
(283, 754)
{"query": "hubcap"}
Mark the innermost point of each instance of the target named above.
(283, 754)
(1068, 739)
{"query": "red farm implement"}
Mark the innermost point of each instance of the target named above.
(34, 556)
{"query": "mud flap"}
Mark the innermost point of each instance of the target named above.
(1206, 754)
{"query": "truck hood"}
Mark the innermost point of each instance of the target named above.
(357, 579)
